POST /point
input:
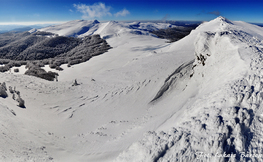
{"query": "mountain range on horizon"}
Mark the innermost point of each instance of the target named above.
(22, 28)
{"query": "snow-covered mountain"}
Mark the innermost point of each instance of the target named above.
(215, 102)
(72, 28)
(197, 99)
(80, 28)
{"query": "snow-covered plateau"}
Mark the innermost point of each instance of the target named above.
(145, 100)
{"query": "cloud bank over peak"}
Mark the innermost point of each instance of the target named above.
(123, 12)
(98, 10)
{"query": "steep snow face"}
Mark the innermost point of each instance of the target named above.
(221, 120)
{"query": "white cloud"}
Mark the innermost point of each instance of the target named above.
(70, 10)
(96, 10)
(124, 12)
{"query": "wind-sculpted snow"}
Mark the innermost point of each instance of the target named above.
(223, 121)
(177, 80)
(15, 95)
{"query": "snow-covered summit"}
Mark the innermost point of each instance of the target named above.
(222, 19)
(221, 115)
(72, 28)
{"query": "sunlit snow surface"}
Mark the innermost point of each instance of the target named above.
(80, 28)
(211, 101)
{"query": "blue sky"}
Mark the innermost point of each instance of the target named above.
(17, 11)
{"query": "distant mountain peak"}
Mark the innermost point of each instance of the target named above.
(32, 30)
(96, 22)
(223, 20)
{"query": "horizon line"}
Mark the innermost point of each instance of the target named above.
(60, 22)
(32, 23)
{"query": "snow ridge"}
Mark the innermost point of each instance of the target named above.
(81, 28)
(72, 28)
(223, 121)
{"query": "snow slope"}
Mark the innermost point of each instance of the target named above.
(81, 123)
(197, 99)
(72, 28)
(221, 117)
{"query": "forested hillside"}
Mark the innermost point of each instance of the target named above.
(44, 48)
